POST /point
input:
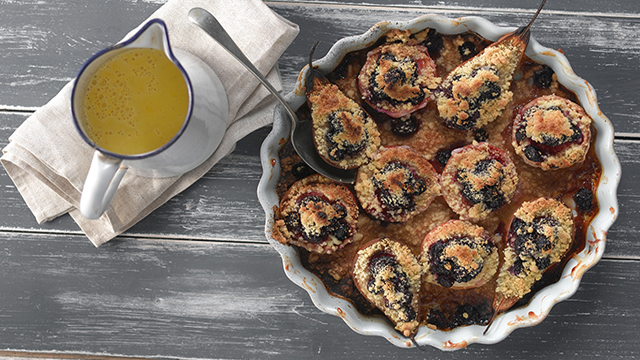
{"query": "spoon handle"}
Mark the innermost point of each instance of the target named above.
(210, 24)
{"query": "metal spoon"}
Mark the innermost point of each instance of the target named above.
(301, 132)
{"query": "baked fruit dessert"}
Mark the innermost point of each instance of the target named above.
(458, 255)
(477, 91)
(317, 214)
(477, 180)
(387, 274)
(460, 239)
(552, 132)
(397, 184)
(344, 135)
(540, 233)
(398, 77)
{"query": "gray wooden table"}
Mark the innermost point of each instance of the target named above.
(197, 278)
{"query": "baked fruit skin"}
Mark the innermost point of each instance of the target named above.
(540, 234)
(344, 134)
(317, 214)
(387, 273)
(477, 180)
(552, 132)
(477, 91)
(397, 184)
(459, 255)
(397, 78)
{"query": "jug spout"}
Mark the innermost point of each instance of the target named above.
(152, 34)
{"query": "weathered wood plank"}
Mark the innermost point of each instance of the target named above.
(614, 8)
(605, 51)
(169, 299)
(224, 205)
(40, 56)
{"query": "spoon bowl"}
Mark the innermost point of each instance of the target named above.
(301, 131)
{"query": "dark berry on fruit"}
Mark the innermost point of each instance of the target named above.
(395, 77)
(449, 270)
(433, 42)
(534, 154)
(481, 135)
(467, 50)
(301, 170)
(443, 156)
(531, 241)
(292, 220)
(489, 195)
(341, 212)
(397, 187)
(583, 199)
(339, 147)
(404, 127)
(334, 221)
(543, 77)
(521, 133)
(385, 271)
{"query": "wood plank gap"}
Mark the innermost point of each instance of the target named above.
(17, 109)
(448, 9)
(627, 136)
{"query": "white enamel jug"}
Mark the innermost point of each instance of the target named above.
(199, 136)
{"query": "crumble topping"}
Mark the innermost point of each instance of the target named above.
(552, 132)
(476, 92)
(459, 254)
(344, 134)
(388, 274)
(478, 179)
(397, 184)
(318, 214)
(397, 78)
(540, 234)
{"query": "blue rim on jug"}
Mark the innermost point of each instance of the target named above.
(169, 53)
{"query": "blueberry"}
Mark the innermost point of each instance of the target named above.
(292, 220)
(534, 154)
(521, 133)
(433, 42)
(404, 127)
(583, 199)
(443, 156)
(467, 50)
(543, 77)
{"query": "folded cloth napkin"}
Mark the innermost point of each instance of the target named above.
(48, 161)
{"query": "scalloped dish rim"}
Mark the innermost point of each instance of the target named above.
(542, 302)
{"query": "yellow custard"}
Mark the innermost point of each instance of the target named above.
(136, 102)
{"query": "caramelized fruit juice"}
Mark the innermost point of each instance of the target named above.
(136, 102)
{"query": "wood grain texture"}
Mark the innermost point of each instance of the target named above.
(223, 205)
(614, 7)
(157, 292)
(186, 299)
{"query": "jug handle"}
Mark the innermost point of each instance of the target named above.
(100, 186)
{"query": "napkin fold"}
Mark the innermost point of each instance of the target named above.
(48, 161)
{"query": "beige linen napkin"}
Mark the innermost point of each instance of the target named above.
(48, 161)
